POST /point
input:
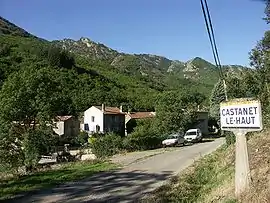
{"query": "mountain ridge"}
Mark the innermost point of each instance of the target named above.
(152, 68)
(145, 63)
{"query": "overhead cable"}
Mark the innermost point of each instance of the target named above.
(210, 30)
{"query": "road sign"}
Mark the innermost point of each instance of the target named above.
(241, 116)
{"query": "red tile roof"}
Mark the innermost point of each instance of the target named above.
(111, 110)
(140, 115)
(63, 118)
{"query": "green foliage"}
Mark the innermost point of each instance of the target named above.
(11, 154)
(176, 110)
(260, 59)
(230, 138)
(59, 57)
(197, 184)
(144, 137)
(40, 80)
(36, 142)
(82, 138)
(217, 96)
(73, 171)
(107, 145)
(7, 27)
(30, 99)
(267, 11)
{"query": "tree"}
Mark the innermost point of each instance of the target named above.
(260, 60)
(58, 57)
(29, 101)
(217, 96)
(176, 111)
(267, 11)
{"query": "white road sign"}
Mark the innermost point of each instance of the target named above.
(241, 114)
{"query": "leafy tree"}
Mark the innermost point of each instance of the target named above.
(29, 100)
(176, 111)
(217, 96)
(260, 59)
(60, 57)
(267, 11)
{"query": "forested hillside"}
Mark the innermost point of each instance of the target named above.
(93, 73)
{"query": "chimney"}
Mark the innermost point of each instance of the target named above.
(103, 107)
(121, 108)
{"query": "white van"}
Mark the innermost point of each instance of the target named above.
(193, 135)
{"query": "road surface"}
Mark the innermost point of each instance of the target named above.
(142, 173)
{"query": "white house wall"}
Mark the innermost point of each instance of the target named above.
(98, 114)
(59, 128)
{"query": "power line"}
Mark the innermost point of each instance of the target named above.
(209, 35)
(213, 35)
(210, 30)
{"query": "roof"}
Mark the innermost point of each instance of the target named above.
(111, 110)
(63, 118)
(141, 115)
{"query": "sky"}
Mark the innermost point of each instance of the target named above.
(171, 28)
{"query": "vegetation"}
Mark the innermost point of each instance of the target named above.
(145, 136)
(211, 179)
(195, 183)
(41, 79)
(176, 111)
(44, 179)
(107, 145)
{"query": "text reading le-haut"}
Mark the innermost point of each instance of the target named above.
(240, 115)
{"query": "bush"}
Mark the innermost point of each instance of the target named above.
(107, 145)
(143, 138)
(82, 138)
(230, 138)
(136, 142)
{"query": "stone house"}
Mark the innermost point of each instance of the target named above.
(66, 126)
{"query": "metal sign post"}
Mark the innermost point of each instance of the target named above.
(241, 116)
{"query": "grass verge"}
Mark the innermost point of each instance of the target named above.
(64, 173)
(211, 179)
(197, 182)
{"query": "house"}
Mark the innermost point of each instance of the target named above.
(202, 122)
(67, 126)
(104, 119)
(131, 119)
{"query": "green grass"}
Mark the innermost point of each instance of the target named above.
(198, 182)
(66, 172)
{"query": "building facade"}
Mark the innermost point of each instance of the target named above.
(67, 126)
(103, 119)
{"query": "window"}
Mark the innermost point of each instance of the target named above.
(86, 127)
(93, 118)
(97, 128)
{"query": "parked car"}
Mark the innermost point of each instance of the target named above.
(193, 135)
(174, 139)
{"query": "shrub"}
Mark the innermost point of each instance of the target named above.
(230, 138)
(144, 137)
(82, 138)
(136, 142)
(107, 145)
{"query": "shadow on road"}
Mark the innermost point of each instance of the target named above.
(114, 186)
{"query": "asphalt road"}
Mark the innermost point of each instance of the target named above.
(141, 174)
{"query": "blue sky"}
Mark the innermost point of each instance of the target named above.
(171, 28)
